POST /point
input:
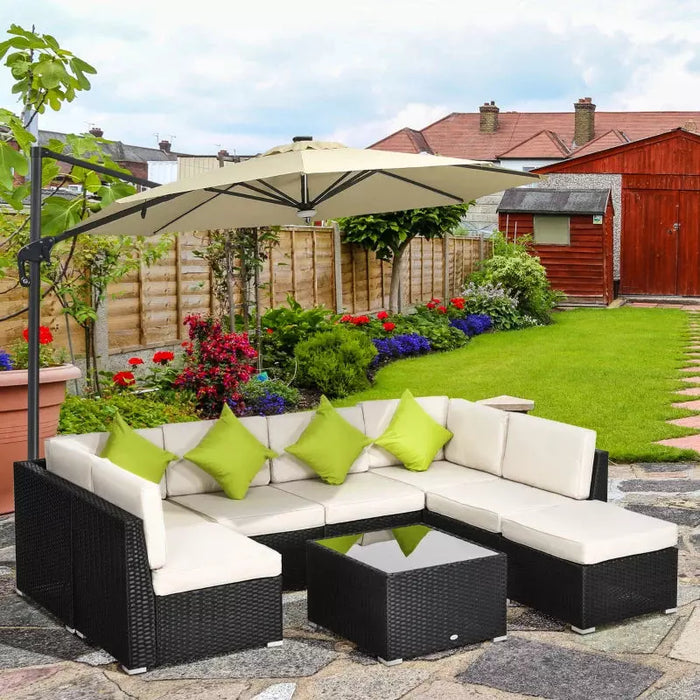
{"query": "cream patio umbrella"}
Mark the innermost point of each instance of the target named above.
(308, 180)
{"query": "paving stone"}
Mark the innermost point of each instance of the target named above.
(690, 442)
(687, 688)
(680, 516)
(7, 583)
(639, 636)
(294, 614)
(387, 683)
(687, 422)
(667, 466)
(533, 668)
(446, 653)
(31, 647)
(689, 370)
(691, 391)
(293, 659)
(687, 593)
(279, 691)
(531, 621)
(687, 646)
(96, 658)
(7, 555)
(80, 687)
(448, 690)
(20, 612)
(7, 533)
(668, 485)
(689, 405)
(11, 682)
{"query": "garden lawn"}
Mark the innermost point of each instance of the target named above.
(612, 370)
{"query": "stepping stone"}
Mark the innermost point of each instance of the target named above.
(692, 391)
(643, 305)
(690, 307)
(686, 688)
(549, 671)
(688, 405)
(692, 361)
(689, 422)
(689, 369)
(687, 646)
(690, 442)
(660, 485)
(695, 379)
(688, 517)
(641, 635)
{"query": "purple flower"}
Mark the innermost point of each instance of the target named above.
(402, 345)
(472, 324)
(269, 404)
(5, 361)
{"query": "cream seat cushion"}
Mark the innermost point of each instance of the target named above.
(588, 532)
(439, 473)
(550, 455)
(264, 510)
(378, 415)
(183, 477)
(287, 428)
(137, 496)
(484, 504)
(359, 496)
(205, 554)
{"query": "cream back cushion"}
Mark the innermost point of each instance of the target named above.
(70, 460)
(378, 415)
(183, 477)
(479, 436)
(557, 457)
(286, 429)
(137, 496)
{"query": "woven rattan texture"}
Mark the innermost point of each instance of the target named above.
(43, 538)
(210, 621)
(493, 540)
(599, 478)
(292, 547)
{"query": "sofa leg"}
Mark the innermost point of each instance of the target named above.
(578, 630)
(277, 643)
(19, 593)
(670, 611)
(393, 662)
(500, 639)
(70, 629)
(133, 671)
(79, 634)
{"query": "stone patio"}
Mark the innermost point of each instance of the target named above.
(655, 656)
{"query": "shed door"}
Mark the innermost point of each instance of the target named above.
(650, 242)
(689, 244)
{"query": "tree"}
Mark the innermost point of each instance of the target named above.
(388, 235)
(45, 75)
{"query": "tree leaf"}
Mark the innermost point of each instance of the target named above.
(59, 214)
(11, 162)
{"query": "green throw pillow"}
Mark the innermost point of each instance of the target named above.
(329, 445)
(341, 544)
(413, 436)
(409, 537)
(131, 451)
(231, 454)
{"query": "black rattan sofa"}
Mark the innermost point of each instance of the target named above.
(86, 560)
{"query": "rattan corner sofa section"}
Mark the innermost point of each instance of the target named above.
(164, 573)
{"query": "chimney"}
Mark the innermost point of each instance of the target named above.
(164, 146)
(488, 118)
(584, 121)
(222, 153)
(96, 131)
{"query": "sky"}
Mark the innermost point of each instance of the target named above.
(246, 76)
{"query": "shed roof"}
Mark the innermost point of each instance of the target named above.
(545, 201)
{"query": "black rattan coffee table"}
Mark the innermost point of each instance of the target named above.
(406, 592)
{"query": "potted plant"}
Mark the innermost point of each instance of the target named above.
(53, 375)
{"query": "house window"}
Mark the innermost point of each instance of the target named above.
(552, 230)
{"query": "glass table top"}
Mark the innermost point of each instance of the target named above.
(405, 548)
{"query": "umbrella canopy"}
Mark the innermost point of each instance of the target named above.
(308, 180)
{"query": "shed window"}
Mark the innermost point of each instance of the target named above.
(552, 230)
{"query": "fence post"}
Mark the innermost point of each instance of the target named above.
(446, 268)
(337, 268)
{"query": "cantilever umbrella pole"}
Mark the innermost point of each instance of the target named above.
(29, 260)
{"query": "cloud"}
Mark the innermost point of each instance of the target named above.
(246, 76)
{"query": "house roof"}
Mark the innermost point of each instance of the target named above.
(458, 133)
(609, 139)
(544, 144)
(545, 201)
(116, 150)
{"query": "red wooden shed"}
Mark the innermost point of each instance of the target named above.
(656, 241)
(573, 237)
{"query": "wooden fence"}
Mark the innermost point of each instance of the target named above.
(146, 308)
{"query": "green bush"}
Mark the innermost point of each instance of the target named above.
(88, 415)
(493, 300)
(283, 328)
(521, 275)
(269, 397)
(335, 362)
(434, 326)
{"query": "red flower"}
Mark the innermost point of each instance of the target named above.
(269, 331)
(430, 305)
(382, 315)
(359, 320)
(162, 357)
(124, 379)
(458, 302)
(388, 326)
(133, 361)
(442, 309)
(45, 336)
(347, 318)
(435, 300)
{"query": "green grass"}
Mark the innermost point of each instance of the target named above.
(612, 370)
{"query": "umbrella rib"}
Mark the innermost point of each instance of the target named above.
(421, 185)
(194, 208)
(242, 195)
(281, 195)
(354, 180)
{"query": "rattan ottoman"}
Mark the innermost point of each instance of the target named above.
(406, 592)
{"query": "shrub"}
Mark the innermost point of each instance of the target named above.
(472, 324)
(402, 345)
(494, 301)
(267, 398)
(335, 362)
(216, 364)
(283, 328)
(433, 324)
(88, 415)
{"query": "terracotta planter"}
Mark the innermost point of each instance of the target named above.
(13, 419)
